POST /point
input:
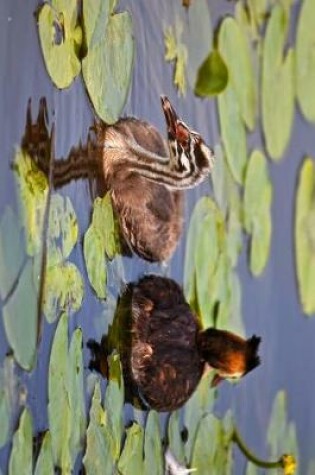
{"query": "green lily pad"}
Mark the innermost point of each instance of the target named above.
(197, 36)
(107, 67)
(66, 406)
(11, 254)
(233, 133)
(257, 211)
(212, 76)
(305, 236)
(176, 50)
(153, 452)
(21, 457)
(281, 434)
(251, 469)
(305, 60)
(277, 85)
(175, 441)
(131, 459)
(206, 444)
(100, 238)
(63, 290)
(258, 10)
(60, 40)
(20, 315)
(62, 230)
(32, 187)
(7, 398)
(98, 456)
(200, 403)
(235, 50)
(44, 464)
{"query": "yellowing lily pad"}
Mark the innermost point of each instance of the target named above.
(257, 211)
(32, 187)
(305, 59)
(21, 457)
(20, 315)
(60, 40)
(176, 50)
(212, 76)
(107, 67)
(277, 85)
(305, 235)
(235, 50)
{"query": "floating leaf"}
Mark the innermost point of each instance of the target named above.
(60, 40)
(98, 456)
(257, 210)
(235, 50)
(212, 76)
(305, 235)
(107, 67)
(258, 10)
(131, 460)
(233, 133)
(21, 457)
(33, 191)
(100, 238)
(44, 464)
(66, 407)
(7, 398)
(277, 85)
(175, 441)
(11, 254)
(176, 51)
(62, 229)
(251, 469)
(305, 60)
(63, 290)
(20, 316)
(206, 445)
(153, 453)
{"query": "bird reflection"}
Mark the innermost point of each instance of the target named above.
(164, 352)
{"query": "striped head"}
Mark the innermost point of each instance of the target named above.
(188, 151)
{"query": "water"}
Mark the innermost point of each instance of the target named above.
(270, 303)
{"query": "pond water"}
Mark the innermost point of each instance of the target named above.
(270, 303)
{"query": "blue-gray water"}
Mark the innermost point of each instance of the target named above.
(270, 303)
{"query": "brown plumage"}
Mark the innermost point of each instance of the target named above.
(163, 349)
(144, 174)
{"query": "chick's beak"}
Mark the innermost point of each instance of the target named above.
(170, 116)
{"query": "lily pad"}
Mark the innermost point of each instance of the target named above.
(176, 50)
(21, 457)
(235, 50)
(305, 60)
(175, 441)
(305, 236)
(206, 446)
(98, 456)
(20, 315)
(153, 453)
(60, 39)
(277, 84)
(44, 464)
(257, 211)
(101, 238)
(7, 398)
(33, 191)
(131, 459)
(212, 76)
(233, 133)
(107, 67)
(63, 290)
(11, 254)
(66, 407)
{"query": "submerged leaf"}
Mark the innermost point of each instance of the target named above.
(235, 50)
(212, 76)
(257, 211)
(277, 85)
(21, 457)
(305, 235)
(176, 51)
(60, 40)
(107, 67)
(20, 315)
(11, 254)
(305, 59)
